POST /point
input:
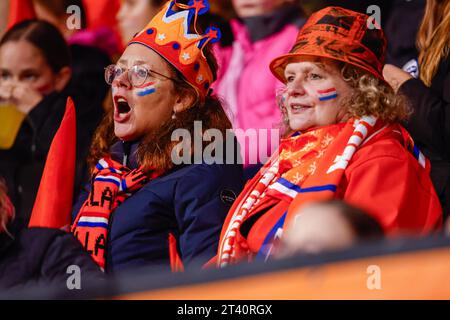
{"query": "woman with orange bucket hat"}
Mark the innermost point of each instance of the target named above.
(343, 141)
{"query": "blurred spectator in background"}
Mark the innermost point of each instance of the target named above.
(102, 14)
(430, 94)
(35, 73)
(19, 10)
(263, 30)
(134, 15)
(38, 255)
(401, 29)
(327, 226)
(57, 12)
(90, 49)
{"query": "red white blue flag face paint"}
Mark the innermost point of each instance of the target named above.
(329, 94)
(146, 89)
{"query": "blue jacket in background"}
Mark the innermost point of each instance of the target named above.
(191, 202)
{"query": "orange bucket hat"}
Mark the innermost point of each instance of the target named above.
(339, 34)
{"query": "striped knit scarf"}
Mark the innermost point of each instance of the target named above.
(307, 167)
(112, 183)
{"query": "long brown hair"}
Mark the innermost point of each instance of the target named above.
(155, 148)
(433, 38)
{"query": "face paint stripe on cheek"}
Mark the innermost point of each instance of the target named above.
(148, 88)
(45, 88)
(329, 94)
(145, 85)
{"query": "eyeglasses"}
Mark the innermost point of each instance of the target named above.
(137, 75)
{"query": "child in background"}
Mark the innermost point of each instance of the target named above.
(35, 76)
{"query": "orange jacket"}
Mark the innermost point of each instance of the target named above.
(383, 178)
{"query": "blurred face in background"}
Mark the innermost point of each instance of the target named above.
(251, 8)
(133, 16)
(22, 64)
(318, 228)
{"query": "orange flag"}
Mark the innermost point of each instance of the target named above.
(20, 10)
(53, 204)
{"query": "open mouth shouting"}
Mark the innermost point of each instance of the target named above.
(122, 110)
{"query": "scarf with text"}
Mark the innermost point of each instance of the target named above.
(111, 184)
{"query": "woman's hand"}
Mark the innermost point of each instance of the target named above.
(21, 96)
(395, 76)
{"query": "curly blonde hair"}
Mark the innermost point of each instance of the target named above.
(373, 97)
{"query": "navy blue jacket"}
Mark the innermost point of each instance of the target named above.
(191, 202)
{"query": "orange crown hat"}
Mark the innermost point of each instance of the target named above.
(338, 34)
(172, 33)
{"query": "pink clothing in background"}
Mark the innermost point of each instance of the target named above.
(103, 38)
(248, 87)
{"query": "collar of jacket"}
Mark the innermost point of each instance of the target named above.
(260, 27)
(125, 152)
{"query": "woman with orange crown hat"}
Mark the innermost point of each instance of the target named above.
(343, 141)
(143, 206)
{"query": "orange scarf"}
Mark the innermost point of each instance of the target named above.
(112, 183)
(307, 167)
